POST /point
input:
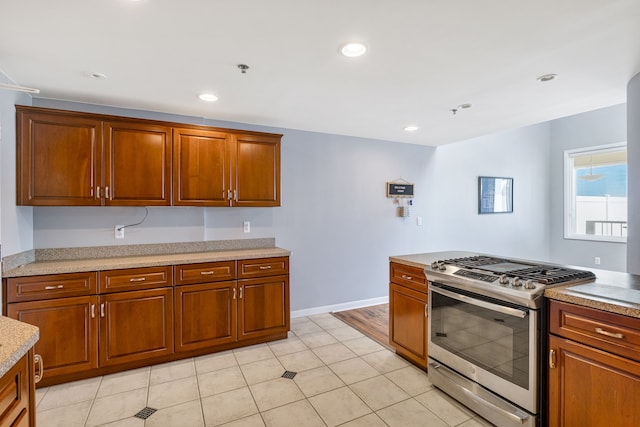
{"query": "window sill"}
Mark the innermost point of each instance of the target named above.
(592, 238)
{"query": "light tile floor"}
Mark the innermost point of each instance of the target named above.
(343, 379)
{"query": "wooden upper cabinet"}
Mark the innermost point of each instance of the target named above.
(67, 158)
(137, 164)
(59, 158)
(201, 167)
(256, 169)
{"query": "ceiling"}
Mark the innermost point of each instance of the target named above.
(424, 58)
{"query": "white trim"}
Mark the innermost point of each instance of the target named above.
(339, 307)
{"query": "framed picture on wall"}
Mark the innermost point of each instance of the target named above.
(495, 195)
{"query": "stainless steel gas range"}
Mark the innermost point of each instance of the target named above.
(485, 332)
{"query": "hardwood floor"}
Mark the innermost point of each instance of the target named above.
(372, 321)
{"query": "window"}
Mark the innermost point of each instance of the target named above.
(595, 197)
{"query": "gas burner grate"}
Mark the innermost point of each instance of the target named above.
(474, 261)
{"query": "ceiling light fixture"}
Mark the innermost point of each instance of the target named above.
(353, 49)
(243, 68)
(547, 78)
(411, 128)
(209, 97)
(97, 76)
(460, 107)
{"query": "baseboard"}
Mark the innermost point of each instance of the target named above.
(339, 307)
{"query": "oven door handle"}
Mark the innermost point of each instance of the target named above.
(480, 303)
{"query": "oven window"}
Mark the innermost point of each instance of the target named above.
(493, 341)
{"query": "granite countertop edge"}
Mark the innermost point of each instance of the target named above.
(560, 293)
(39, 268)
(16, 338)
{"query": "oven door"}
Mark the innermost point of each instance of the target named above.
(490, 342)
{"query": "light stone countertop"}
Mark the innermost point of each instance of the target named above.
(16, 338)
(612, 291)
(38, 268)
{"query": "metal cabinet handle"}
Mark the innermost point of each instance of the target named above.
(235, 195)
(426, 307)
(241, 288)
(609, 334)
(405, 277)
(38, 367)
(552, 358)
(138, 279)
(93, 311)
(234, 293)
(48, 288)
(106, 192)
(206, 273)
(102, 310)
(97, 192)
(265, 267)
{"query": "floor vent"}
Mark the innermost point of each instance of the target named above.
(145, 413)
(289, 374)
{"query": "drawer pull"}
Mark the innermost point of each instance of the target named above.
(552, 358)
(405, 277)
(265, 267)
(610, 334)
(39, 368)
(206, 273)
(139, 279)
(49, 288)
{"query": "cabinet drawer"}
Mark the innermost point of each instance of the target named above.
(135, 278)
(262, 267)
(407, 275)
(33, 288)
(205, 272)
(607, 331)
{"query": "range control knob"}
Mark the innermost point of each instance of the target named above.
(442, 266)
(435, 264)
(503, 280)
(529, 284)
(516, 282)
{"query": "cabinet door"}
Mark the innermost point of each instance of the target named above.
(136, 325)
(68, 332)
(201, 168)
(137, 164)
(59, 159)
(17, 400)
(256, 181)
(590, 387)
(205, 315)
(263, 306)
(408, 323)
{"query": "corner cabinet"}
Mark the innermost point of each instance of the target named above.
(67, 158)
(594, 367)
(408, 297)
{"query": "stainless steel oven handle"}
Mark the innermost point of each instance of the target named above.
(480, 303)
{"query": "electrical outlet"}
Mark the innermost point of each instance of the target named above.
(246, 226)
(597, 260)
(119, 231)
(419, 221)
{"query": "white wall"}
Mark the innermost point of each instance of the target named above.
(633, 153)
(599, 127)
(16, 222)
(521, 154)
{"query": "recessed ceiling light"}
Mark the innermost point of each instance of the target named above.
(411, 128)
(547, 78)
(353, 49)
(209, 97)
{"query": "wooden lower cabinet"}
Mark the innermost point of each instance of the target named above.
(205, 315)
(263, 306)
(68, 332)
(408, 323)
(17, 394)
(590, 387)
(136, 325)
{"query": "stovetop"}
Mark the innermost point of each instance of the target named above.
(521, 282)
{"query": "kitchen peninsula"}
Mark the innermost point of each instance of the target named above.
(589, 321)
(106, 309)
